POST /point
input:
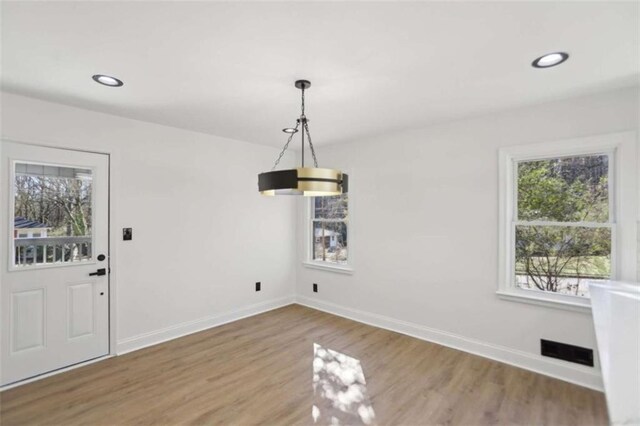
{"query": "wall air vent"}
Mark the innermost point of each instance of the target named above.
(567, 352)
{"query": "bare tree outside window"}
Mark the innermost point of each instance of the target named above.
(52, 214)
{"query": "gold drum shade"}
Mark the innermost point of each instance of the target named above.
(307, 181)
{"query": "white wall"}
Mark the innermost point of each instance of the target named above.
(434, 277)
(202, 235)
(434, 274)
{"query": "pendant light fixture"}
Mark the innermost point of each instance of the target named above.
(307, 181)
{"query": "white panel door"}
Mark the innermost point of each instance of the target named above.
(54, 281)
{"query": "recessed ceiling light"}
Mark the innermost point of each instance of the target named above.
(550, 60)
(290, 130)
(107, 80)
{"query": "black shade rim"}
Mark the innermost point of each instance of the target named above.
(536, 62)
(96, 78)
(289, 179)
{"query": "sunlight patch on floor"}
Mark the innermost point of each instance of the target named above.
(339, 390)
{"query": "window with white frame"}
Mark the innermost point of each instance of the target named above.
(329, 219)
(563, 221)
(562, 205)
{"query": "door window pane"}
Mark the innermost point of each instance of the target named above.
(52, 214)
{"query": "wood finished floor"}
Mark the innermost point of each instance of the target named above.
(259, 371)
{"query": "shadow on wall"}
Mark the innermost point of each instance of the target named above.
(339, 390)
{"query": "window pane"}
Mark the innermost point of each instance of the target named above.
(52, 215)
(330, 241)
(568, 189)
(560, 259)
(336, 207)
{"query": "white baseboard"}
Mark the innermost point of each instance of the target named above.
(589, 377)
(179, 330)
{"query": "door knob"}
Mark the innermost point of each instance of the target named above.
(100, 272)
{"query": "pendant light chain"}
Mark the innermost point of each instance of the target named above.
(305, 129)
(313, 151)
(285, 147)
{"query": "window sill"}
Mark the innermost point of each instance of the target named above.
(551, 302)
(327, 267)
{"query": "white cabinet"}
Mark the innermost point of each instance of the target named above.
(616, 316)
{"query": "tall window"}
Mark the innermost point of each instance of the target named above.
(563, 219)
(567, 216)
(329, 229)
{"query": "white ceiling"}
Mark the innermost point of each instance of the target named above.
(228, 68)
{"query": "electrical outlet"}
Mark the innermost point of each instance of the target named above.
(315, 287)
(258, 286)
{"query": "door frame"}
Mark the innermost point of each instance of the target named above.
(111, 257)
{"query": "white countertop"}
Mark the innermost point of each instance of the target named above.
(616, 317)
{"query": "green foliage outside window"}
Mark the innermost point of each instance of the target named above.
(573, 191)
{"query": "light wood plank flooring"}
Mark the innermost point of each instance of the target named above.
(259, 371)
